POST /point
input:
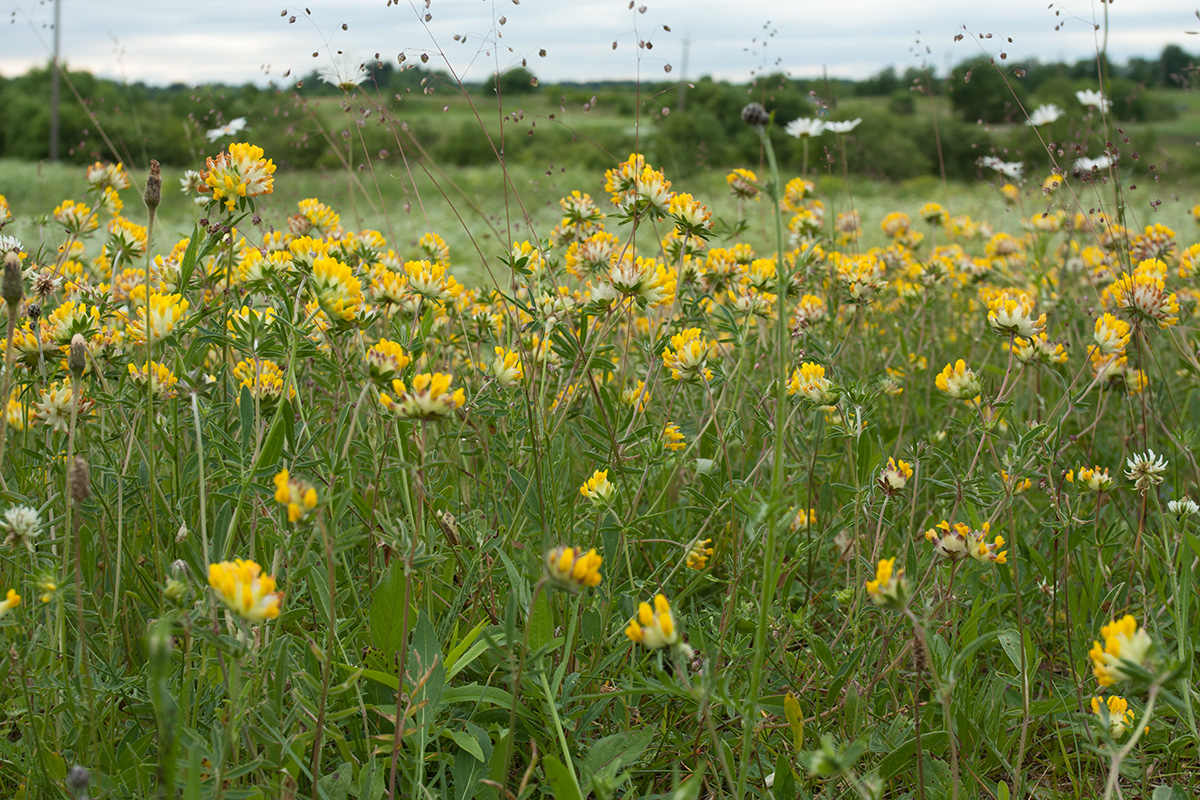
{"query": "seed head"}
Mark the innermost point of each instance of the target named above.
(755, 114)
(81, 481)
(77, 357)
(14, 284)
(153, 195)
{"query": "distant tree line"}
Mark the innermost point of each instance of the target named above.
(685, 127)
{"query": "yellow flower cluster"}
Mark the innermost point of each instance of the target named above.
(572, 569)
(299, 496)
(429, 398)
(238, 174)
(245, 590)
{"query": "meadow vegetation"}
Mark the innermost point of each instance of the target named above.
(389, 474)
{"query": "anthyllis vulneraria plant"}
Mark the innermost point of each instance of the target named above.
(655, 628)
(243, 588)
(299, 497)
(1124, 643)
(572, 569)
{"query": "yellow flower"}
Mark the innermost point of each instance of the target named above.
(385, 360)
(1037, 349)
(318, 216)
(810, 383)
(894, 476)
(1095, 478)
(1011, 313)
(741, 184)
(435, 247)
(1010, 193)
(1143, 295)
(890, 587)
(11, 601)
(1051, 183)
(506, 369)
(950, 542)
(431, 280)
(77, 218)
(572, 569)
(337, 291)
(162, 380)
(54, 407)
(264, 379)
(16, 414)
(958, 381)
(429, 398)
(69, 319)
(1123, 642)
(105, 175)
(699, 553)
(803, 519)
(672, 437)
(983, 550)
(164, 312)
(690, 215)
(934, 214)
(240, 173)
(810, 309)
(688, 361)
(636, 397)
(245, 590)
(597, 488)
(1120, 717)
(655, 627)
(299, 496)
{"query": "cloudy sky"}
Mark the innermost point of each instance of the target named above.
(164, 41)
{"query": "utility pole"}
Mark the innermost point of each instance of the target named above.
(680, 96)
(54, 83)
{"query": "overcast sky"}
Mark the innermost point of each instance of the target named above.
(196, 41)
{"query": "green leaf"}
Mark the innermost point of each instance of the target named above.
(541, 622)
(784, 787)
(336, 785)
(611, 754)
(1002, 791)
(386, 617)
(562, 782)
(467, 772)
(246, 410)
(690, 789)
(466, 742)
(795, 718)
(970, 649)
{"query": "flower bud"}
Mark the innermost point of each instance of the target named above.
(153, 193)
(77, 356)
(14, 283)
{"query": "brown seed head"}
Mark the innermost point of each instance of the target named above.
(153, 195)
(81, 480)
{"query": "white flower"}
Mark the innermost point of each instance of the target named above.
(21, 524)
(1183, 508)
(1145, 470)
(805, 126)
(10, 244)
(345, 73)
(1010, 169)
(1084, 165)
(231, 128)
(1044, 115)
(1094, 99)
(844, 126)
